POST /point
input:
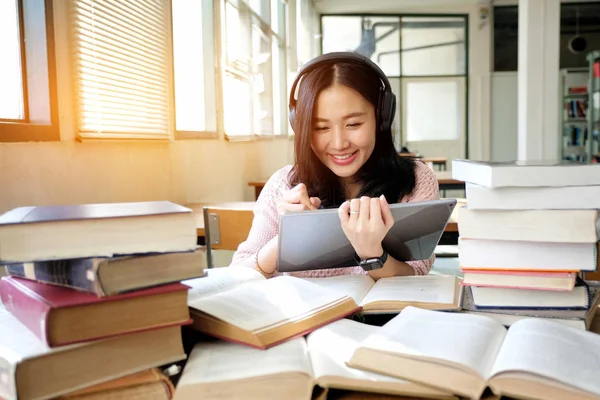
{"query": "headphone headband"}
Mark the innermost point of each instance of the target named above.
(386, 107)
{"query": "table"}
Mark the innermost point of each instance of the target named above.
(445, 182)
(439, 162)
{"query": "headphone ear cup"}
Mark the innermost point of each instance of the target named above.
(388, 110)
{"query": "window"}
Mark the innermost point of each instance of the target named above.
(425, 57)
(576, 19)
(193, 62)
(442, 96)
(12, 104)
(122, 66)
(28, 103)
(432, 46)
(375, 37)
(253, 69)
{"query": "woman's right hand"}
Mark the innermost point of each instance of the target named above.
(297, 199)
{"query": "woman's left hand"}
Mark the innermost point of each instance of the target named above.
(365, 222)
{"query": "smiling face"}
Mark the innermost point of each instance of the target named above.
(344, 126)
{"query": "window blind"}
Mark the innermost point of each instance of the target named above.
(122, 68)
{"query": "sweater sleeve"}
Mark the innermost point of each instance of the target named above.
(265, 223)
(426, 188)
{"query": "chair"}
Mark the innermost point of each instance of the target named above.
(226, 225)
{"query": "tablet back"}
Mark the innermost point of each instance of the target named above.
(314, 239)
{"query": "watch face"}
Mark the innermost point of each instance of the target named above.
(371, 264)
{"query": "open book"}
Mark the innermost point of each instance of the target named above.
(463, 354)
(262, 312)
(391, 295)
(290, 370)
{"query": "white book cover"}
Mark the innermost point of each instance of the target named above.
(543, 173)
(570, 226)
(533, 198)
(533, 256)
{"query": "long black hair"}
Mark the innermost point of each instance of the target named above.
(385, 172)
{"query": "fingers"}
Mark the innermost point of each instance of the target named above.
(375, 209)
(365, 209)
(344, 212)
(299, 195)
(354, 210)
(315, 201)
(386, 212)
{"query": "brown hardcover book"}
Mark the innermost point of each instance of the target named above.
(464, 354)
(45, 233)
(262, 312)
(150, 384)
(108, 276)
(292, 370)
(31, 370)
(60, 316)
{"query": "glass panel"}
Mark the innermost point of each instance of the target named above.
(237, 113)
(506, 38)
(433, 46)
(188, 65)
(439, 98)
(237, 37)
(262, 81)
(278, 9)
(279, 87)
(12, 104)
(261, 8)
(375, 37)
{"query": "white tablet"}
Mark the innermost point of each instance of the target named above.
(311, 240)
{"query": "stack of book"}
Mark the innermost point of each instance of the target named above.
(528, 235)
(93, 300)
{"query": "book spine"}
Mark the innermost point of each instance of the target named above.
(79, 274)
(27, 307)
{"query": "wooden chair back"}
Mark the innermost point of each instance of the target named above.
(226, 225)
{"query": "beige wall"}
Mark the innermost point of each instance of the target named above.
(65, 172)
(181, 171)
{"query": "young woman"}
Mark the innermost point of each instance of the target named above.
(345, 159)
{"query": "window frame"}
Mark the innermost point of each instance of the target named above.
(282, 39)
(465, 75)
(36, 28)
(210, 46)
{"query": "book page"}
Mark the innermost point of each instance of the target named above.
(353, 285)
(470, 340)
(422, 289)
(266, 303)
(552, 350)
(220, 279)
(331, 346)
(224, 361)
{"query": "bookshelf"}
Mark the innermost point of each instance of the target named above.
(574, 122)
(593, 118)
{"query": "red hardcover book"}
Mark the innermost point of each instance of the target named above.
(60, 316)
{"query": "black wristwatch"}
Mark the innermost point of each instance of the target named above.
(369, 264)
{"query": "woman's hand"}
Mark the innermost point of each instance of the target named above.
(365, 222)
(296, 199)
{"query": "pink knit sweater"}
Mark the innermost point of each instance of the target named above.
(265, 223)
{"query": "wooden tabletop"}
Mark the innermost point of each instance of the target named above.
(443, 177)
